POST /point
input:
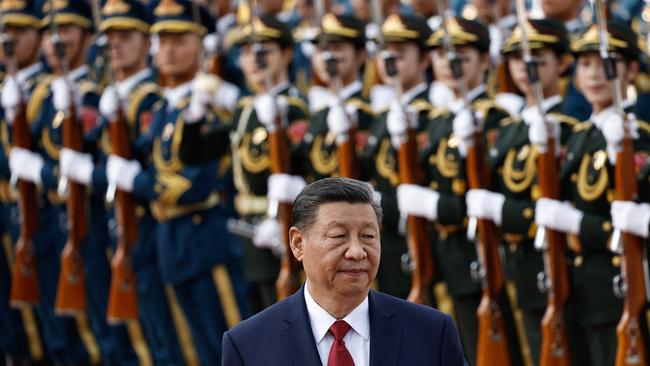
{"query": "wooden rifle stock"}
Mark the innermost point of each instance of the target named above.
(287, 282)
(347, 155)
(492, 337)
(123, 298)
(214, 65)
(418, 236)
(631, 348)
(71, 292)
(555, 347)
(24, 282)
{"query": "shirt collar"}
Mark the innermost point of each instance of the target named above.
(547, 104)
(410, 94)
(601, 117)
(174, 95)
(457, 104)
(78, 73)
(321, 320)
(125, 86)
(350, 90)
(574, 25)
(23, 75)
(278, 89)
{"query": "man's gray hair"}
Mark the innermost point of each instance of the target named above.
(329, 190)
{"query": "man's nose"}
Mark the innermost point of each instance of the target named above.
(355, 250)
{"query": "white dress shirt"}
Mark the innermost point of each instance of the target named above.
(357, 341)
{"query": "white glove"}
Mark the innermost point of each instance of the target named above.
(76, 166)
(484, 204)
(227, 95)
(613, 130)
(267, 236)
(61, 94)
(510, 102)
(203, 88)
(631, 217)
(464, 124)
(211, 43)
(267, 108)
(26, 165)
(284, 188)
(109, 104)
(338, 121)
(414, 200)
(10, 99)
(538, 129)
(381, 96)
(398, 121)
(122, 172)
(557, 215)
(440, 95)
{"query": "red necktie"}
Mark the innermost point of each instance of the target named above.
(339, 355)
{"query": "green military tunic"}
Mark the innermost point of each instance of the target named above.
(320, 148)
(251, 169)
(587, 178)
(379, 161)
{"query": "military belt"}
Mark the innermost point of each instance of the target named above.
(165, 213)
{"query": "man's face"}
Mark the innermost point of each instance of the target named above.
(361, 9)
(340, 251)
(277, 62)
(76, 41)
(270, 6)
(486, 9)
(425, 8)
(178, 53)
(411, 64)
(127, 48)
(591, 80)
(475, 64)
(349, 61)
(27, 42)
(560, 9)
(549, 65)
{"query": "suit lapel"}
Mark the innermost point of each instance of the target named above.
(298, 337)
(385, 333)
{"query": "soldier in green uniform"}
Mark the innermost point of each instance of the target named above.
(442, 158)
(406, 38)
(334, 115)
(587, 177)
(513, 161)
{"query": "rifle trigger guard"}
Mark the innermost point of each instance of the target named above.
(407, 263)
(476, 271)
(543, 282)
(619, 286)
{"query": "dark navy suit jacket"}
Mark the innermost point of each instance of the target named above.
(401, 333)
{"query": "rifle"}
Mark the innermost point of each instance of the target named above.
(345, 143)
(122, 296)
(24, 282)
(71, 291)
(505, 84)
(555, 282)
(630, 285)
(492, 338)
(287, 281)
(409, 173)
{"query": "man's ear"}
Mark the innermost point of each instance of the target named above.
(296, 242)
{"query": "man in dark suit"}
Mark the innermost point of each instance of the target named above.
(335, 319)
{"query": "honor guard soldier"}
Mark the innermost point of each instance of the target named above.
(443, 160)
(334, 115)
(21, 25)
(126, 24)
(196, 255)
(513, 160)
(588, 184)
(68, 340)
(406, 38)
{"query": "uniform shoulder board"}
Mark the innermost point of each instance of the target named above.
(437, 112)
(582, 126)
(421, 105)
(138, 95)
(299, 103)
(643, 125)
(87, 86)
(484, 105)
(563, 118)
(41, 91)
(508, 121)
(362, 105)
(244, 101)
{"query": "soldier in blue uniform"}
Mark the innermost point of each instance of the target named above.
(62, 335)
(126, 26)
(587, 185)
(196, 255)
(21, 22)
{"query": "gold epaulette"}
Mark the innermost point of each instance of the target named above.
(437, 112)
(137, 96)
(563, 118)
(41, 91)
(299, 103)
(582, 126)
(244, 101)
(642, 82)
(643, 125)
(361, 104)
(508, 121)
(421, 105)
(87, 86)
(484, 105)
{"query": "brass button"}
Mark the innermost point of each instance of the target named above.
(616, 261)
(528, 213)
(197, 219)
(577, 261)
(512, 247)
(139, 211)
(607, 226)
